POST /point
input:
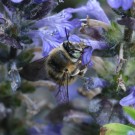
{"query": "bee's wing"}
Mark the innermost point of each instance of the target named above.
(62, 93)
(34, 71)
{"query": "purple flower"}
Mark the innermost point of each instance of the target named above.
(93, 45)
(86, 58)
(129, 101)
(98, 82)
(131, 132)
(59, 22)
(51, 30)
(48, 39)
(130, 119)
(92, 8)
(125, 4)
(16, 1)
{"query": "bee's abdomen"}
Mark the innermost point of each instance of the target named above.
(57, 62)
(57, 65)
(61, 79)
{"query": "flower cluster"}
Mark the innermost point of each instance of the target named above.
(49, 31)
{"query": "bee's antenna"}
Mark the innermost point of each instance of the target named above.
(67, 34)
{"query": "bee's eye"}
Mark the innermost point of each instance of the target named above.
(66, 46)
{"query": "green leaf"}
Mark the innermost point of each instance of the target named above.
(130, 111)
(12, 101)
(125, 78)
(115, 129)
(5, 89)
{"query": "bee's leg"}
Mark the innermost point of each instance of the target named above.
(67, 76)
(83, 70)
(76, 72)
(80, 71)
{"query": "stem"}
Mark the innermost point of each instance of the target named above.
(124, 45)
(121, 51)
(127, 39)
(121, 62)
(121, 59)
(127, 35)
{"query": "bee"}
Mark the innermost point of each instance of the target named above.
(62, 66)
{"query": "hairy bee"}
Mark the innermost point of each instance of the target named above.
(62, 64)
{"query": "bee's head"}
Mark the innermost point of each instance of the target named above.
(74, 50)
